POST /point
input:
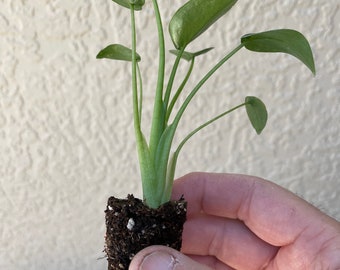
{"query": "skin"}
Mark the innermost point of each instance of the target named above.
(244, 222)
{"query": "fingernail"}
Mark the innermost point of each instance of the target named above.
(158, 261)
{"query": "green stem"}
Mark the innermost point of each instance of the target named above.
(173, 161)
(179, 90)
(135, 102)
(157, 126)
(165, 144)
(145, 162)
(172, 77)
(201, 83)
(206, 124)
(140, 105)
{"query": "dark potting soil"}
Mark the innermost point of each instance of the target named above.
(132, 226)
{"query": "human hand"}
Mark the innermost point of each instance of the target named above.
(243, 222)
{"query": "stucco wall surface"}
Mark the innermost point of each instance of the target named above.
(66, 133)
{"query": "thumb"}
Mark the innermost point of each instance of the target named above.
(163, 258)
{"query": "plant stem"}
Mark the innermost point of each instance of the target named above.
(140, 104)
(146, 165)
(165, 143)
(172, 78)
(173, 161)
(206, 124)
(135, 102)
(179, 90)
(202, 81)
(158, 113)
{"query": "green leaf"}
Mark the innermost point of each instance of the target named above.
(257, 113)
(281, 40)
(138, 4)
(188, 55)
(203, 51)
(194, 17)
(117, 52)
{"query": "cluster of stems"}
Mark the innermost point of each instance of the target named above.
(156, 165)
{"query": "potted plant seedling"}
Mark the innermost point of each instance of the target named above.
(133, 224)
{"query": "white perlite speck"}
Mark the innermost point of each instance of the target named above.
(130, 224)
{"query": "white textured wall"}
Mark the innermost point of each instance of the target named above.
(66, 138)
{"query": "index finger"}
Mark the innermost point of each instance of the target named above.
(271, 212)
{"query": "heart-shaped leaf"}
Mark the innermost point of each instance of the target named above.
(281, 40)
(194, 17)
(117, 52)
(138, 4)
(257, 113)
